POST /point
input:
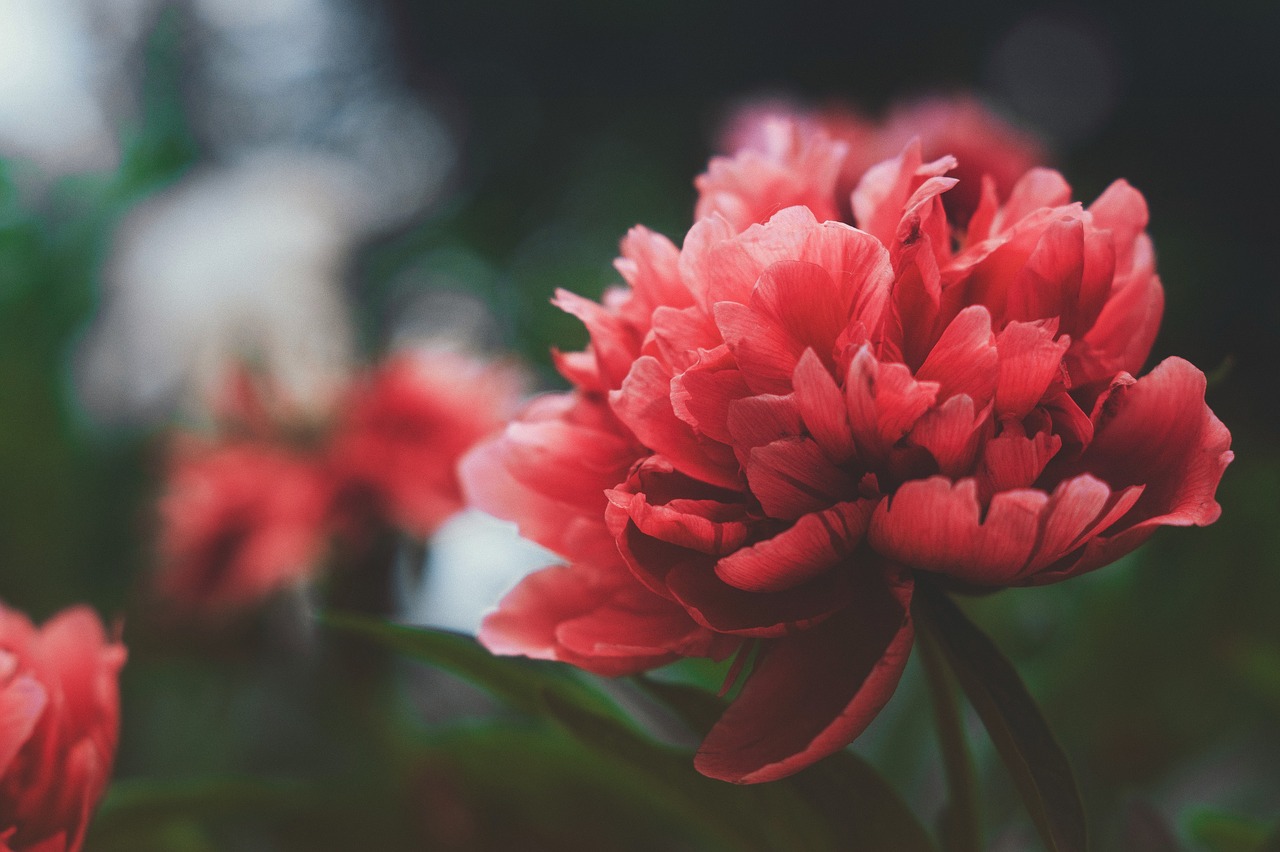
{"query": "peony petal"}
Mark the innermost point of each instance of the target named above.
(689, 578)
(701, 395)
(1158, 432)
(650, 263)
(965, 359)
(884, 402)
(22, 701)
(1077, 511)
(765, 353)
(643, 403)
(935, 525)
(1122, 210)
(952, 433)
(1122, 336)
(1030, 361)
(1037, 189)
(565, 462)
(643, 630)
(822, 407)
(680, 335)
(613, 341)
(811, 694)
(792, 166)
(791, 477)
(1014, 460)
(758, 420)
(812, 545)
(706, 526)
(802, 299)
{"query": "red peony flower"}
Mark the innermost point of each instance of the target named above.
(240, 521)
(61, 707)
(401, 431)
(782, 424)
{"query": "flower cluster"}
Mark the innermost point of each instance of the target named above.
(61, 708)
(779, 426)
(255, 511)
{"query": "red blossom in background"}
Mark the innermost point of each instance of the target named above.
(253, 513)
(983, 143)
(401, 431)
(784, 422)
(61, 719)
(239, 521)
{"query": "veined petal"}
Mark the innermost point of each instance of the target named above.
(812, 693)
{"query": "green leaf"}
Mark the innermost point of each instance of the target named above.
(523, 684)
(961, 821)
(1037, 763)
(134, 805)
(1225, 832)
(845, 792)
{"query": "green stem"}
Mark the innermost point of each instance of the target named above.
(960, 823)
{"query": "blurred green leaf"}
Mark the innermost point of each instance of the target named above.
(960, 823)
(1223, 832)
(133, 808)
(523, 684)
(846, 793)
(1037, 763)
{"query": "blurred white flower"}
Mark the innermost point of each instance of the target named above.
(474, 560)
(232, 262)
(61, 68)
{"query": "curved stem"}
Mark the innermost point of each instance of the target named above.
(961, 825)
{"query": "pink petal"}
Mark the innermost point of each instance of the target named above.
(935, 525)
(565, 462)
(1158, 432)
(884, 402)
(822, 407)
(792, 477)
(765, 353)
(689, 577)
(650, 263)
(965, 359)
(614, 343)
(1014, 460)
(706, 526)
(1077, 511)
(951, 433)
(1030, 361)
(1122, 336)
(812, 545)
(1037, 189)
(644, 404)
(1122, 210)
(811, 694)
(645, 631)
(754, 421)
(802, 299)
(680, 334)
(22, 701)
(702, 395)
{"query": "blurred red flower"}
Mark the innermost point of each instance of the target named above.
(61, 719)
(781, 424)
(401, 431)
(244, 516)
(239, 521)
